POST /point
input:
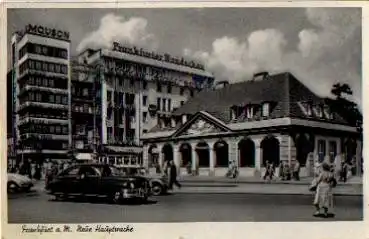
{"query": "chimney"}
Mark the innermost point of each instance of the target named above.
(162, 123)
(184, 119)
(264, 75)
(221, 84)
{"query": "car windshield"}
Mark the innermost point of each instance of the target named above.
(115, 171)
(131, 171)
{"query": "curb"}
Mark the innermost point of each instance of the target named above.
(270, 194)
(258, 182)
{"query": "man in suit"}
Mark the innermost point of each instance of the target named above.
(173, 175)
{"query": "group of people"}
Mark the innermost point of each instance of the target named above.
(37, 171)
(284, 173)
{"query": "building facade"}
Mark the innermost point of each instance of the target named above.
(271, 118)
(130, 90)
(40, 88)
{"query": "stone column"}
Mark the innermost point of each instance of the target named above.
(177, 158)
(258, 157)
(194, 158)
(212, 158)
(232, 150)
(284, 147)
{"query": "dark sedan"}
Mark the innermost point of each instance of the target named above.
(98, 180)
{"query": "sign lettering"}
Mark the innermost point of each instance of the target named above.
(153, 55)
(47, 32)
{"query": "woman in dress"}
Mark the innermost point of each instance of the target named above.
(323, 195)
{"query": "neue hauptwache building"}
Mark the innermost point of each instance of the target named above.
(268, 118)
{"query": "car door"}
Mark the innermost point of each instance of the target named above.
(68, 180)
(89, 179)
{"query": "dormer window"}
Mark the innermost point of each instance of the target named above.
(309, 110)
(233, 113)
(249, 112)
(184, 119)
(327, 113)
(265, 109)
(318, 111)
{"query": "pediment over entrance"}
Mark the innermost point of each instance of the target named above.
(200, 126)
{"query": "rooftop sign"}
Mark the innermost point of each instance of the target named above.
(47, 32)
(156, 56)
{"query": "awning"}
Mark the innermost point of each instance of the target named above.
(84, 156)
(120, 149)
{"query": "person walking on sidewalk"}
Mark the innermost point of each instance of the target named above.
(296, 171)
(343, 172)
(323, 195)
(269, 172)
(173, 175)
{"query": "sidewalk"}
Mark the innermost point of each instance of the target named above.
(197, 180)
(250, 188)
(272, 189)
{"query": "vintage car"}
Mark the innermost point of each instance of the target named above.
(158, 182)
(98, 180)
(18, 183)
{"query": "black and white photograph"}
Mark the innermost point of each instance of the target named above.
(180, 115)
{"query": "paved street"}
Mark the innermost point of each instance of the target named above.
(37, 207)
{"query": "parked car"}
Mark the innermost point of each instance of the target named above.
(98, 180)
(18, 183)
(158, 183)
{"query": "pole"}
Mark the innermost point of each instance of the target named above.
(94, 113)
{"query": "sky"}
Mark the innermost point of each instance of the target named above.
(320, 46)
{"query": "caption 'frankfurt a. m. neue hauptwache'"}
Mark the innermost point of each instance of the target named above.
(80, 228)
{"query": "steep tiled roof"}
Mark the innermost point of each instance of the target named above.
(282, 90)
(218, 102)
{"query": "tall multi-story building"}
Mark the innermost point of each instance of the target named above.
(134, 90)
(40, 89)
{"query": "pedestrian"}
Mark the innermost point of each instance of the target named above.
(280, 171)
(343, 172)
(37, 174)
(266, 174)
(286, 171)
(189, 168)
(323, 195)
(296, 171)
(173, 175)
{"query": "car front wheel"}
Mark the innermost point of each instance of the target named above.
(116, 197)
(12, 187)
(156, 189)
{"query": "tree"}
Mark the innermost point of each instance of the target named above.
(344, 107)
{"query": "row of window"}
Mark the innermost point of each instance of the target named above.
(63, 115)
(123, 83)
(44, 129)
(169, 89)
(84, 92)
(43, 66)
(320, 111)
(164, 104)
(85, 108)
(43, 50)
(120, 97)
(43, 81)
(46, 144)
(45, 98)
(249, 111)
